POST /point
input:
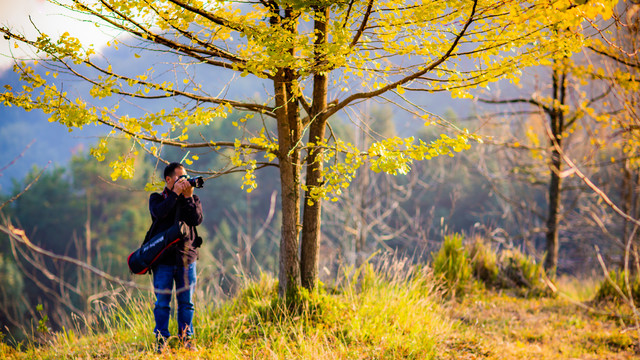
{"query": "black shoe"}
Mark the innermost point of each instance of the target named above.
(161, 344)
(188, 343)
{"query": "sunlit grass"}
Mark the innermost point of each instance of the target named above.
(390, 310)
(369, 315)
(386, 311)
(579, 289)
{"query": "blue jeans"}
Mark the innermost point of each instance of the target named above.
(164, 276)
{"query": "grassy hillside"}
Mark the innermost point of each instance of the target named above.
(391, 312)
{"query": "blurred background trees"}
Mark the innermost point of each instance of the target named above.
(498, 190)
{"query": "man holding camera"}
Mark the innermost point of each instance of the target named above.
(178, 265)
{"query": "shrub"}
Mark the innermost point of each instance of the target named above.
(257, 292)
(484, 262)
(607, 292)
(260, 302)
(452, 264)
(521, 271)
(456, 264)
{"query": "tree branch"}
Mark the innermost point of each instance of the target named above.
(12, 162)
(215, 19)
(363, 24)
(20, 236)
(615, 58)
(332, 110)
(27, 187)
(587, 181)
(172, 92)
(515, 101)
(160, 40)
(216, 50)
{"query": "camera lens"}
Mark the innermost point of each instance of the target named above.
(196, 182)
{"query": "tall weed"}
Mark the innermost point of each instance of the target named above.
(521, 272)
(458, 264)
(608, 292)
(484, 262)
(451, 264)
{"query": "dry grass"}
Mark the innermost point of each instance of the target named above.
(500, 326)
(390, 312)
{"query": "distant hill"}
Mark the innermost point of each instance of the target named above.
(51, 142)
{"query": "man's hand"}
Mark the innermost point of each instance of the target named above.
(183, 187)
(180, 185)
(188, 190)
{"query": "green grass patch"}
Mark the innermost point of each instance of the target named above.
(484, 262)
(618, 286)
(521, 272)
(579, 288)
(461, 266)
(390, 310)
(452, 265)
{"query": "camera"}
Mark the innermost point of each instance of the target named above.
(196, 182)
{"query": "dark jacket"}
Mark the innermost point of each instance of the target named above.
(163, 209)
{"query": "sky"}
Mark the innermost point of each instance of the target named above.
(50, 144)
(50, 19)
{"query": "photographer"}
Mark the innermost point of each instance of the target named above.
(176, 203)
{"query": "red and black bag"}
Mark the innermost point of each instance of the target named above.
(141, 260)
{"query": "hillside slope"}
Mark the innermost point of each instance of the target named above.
(366, 316)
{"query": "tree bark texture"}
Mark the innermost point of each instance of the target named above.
(556, 117)
(289, 164)
(309, 256)
(629, 194)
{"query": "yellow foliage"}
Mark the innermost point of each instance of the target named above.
(424, 46)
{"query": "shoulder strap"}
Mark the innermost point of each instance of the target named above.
(177, 216)
(153, 222)
(197, 242)
(148, 236)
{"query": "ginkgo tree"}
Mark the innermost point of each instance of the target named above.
(313, 59)
(613, 59)
(566, 106)
(595, 89)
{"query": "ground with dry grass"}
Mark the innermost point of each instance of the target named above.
(398, 312)
(501, 326)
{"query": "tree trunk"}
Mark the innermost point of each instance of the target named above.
(635, 182)
(313, 213)
(289, 274)
(288, 119)
(555, 188)
(556, 117)
(626, 194)
(361, 184)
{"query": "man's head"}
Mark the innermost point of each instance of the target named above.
(172, 172)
